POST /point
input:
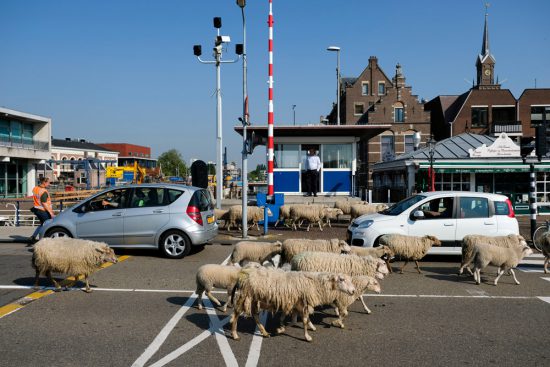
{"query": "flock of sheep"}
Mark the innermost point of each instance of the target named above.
(294, 215)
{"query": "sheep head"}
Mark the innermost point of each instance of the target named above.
(521, 240)
(344, 247)
(434, 239)
(388, 251)
(107, 254)
(342, 283)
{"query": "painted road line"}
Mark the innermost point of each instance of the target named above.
(545, 299)
(545, 278)
(256, 345)
(44, 291)
(227, 354)
(530, 269)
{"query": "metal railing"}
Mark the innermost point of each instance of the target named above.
(16, 213)
(24, 143)
(514, 127)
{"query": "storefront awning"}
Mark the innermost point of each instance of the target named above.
(360, 131)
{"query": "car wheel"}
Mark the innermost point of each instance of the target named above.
(175, 244)
(57, 232)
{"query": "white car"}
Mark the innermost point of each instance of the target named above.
(448, 215)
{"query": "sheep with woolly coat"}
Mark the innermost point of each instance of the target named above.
(505, 258)
(358, 210)
(259, 252)
(362, 283)
(410, 248)
(377, 252)
(210, 276)
(339, 263)
(294, 246)
(312, 213)
(277, 290)
(254, 214)
(332, 213)
(469, 242)
(545, 244)
(70, 256)
(345, 205)
(222, 215)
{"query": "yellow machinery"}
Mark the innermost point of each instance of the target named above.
(135, 173)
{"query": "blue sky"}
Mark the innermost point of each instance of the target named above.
(124, 71)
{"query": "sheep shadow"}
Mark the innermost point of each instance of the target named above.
(43, 281)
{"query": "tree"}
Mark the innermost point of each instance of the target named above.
(259, 173)
(172, 163)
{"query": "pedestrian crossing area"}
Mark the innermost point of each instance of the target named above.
(532, 264)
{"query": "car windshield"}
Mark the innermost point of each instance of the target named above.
(403, 205)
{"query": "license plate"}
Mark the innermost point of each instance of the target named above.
(210, 219)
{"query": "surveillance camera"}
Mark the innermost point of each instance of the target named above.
(223, 39)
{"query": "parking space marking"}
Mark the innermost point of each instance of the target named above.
(256, 345)
(545, 299)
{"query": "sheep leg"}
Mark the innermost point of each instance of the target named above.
(228, 302)
(36, 278)
(340, 322)
(320, 226)
(500, 272)
(87, 289)
(418, 267)
(365, 305)
(256, 313)
(212, 298)
(477, 275)
(56, 285)
(546, 260)
(233, 321)
(388, 264)
(514, 275)
(403, 267)
(281, 329)
(306, 323)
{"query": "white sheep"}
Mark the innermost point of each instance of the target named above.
(221, 215)
(362, 284)
(294, 246)
(339, 263)
(372, 251)
(345, 205)
(255, 251)
(332, 213)
(545, 244)
(311, 213)
(211, 276)
(254, 214)
(70, 256)
(285, 291)
(469, 241)
(503, 257)
(410, 248)
(358, 210)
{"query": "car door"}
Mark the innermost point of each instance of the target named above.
(101, 218)
(475, 217)
(147, 213)
(439, 220)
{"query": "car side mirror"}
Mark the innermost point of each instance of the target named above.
(418, 214)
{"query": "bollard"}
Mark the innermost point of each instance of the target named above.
(17, 213)
(265, 219)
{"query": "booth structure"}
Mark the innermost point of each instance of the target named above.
(336, 146)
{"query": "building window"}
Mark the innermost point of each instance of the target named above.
(336, 156)
(504, 114)
(539, 114)
(365, 88)
(286, 156)
(358, 109)
(381, 88)
(409, 143)
(387, 148)
(398, 114)
(479, 116)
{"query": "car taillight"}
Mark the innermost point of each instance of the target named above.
(194, 213)
(511, 213)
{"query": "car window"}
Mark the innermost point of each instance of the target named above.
(403, 205)
(501, 208)
(114, 199)
(173, 195)
(201, 200)
(474, 207)
(440, 208)
(147, 196)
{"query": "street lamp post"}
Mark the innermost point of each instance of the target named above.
(416, 140)
(218, 50)
(294, 114)
(431, 146)
(337, 49)
(245, 122)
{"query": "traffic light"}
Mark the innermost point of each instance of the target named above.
(253, 140)
(541, 140)
(526, 146)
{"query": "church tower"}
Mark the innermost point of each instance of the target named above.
(485, 62)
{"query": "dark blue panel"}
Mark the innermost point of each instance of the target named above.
(336, 181)
(285, 181)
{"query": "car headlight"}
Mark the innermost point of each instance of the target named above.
(365, 224)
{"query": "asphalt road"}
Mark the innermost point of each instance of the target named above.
(139, 315)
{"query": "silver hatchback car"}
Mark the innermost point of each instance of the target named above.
(170, 218)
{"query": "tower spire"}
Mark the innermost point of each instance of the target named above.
(485, 44)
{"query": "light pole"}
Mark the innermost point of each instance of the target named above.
(218, 50)
(245, 122)
(294, 114)
(337, 49)
(431, 175)
(416, 140)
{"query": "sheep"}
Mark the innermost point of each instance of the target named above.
(277, 290)
(503, 257)
(358, 210)
(408, 247)
(332, 213)
(545, 244)
(222, 214)
(255, 251)
(372, 251)
(348, 264)
(294, 246)
(311, 213)
(211, 276)
(70, 256)
(254, 214)
(345, 205)
(361, 283)
(469, 241)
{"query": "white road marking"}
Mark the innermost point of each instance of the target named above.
(221, 339)
(256, 345)
(477, 292)
(545, 278)
(545, 299)
(529, 269)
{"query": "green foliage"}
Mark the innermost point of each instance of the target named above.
(258, 174)
(172, 163)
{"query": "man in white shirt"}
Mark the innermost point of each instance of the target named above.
(313, 167)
